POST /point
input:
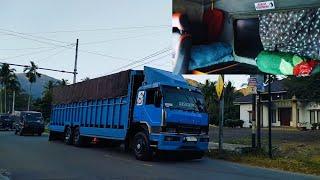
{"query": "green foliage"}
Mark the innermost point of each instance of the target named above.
(212, 102)
(31, 72)
(44, 104)
(305, 88)
(233, 123)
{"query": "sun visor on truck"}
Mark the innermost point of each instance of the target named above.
(164, 77)
(110, 86)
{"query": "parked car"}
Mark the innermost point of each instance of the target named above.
(29, 122)
(6, 122)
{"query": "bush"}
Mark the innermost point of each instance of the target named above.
(314, 126)
(233, 123)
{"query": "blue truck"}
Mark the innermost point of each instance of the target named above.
(148, 111)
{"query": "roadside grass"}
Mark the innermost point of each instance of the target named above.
(288, 156)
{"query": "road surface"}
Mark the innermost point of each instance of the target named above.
(33, 157)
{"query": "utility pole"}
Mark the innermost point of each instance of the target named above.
(269, 115)
(75, 64)
(259, 121)
(221, 116)
(253, 118)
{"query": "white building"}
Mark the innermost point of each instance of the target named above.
(286, 111)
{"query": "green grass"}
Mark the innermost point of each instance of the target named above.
(295, 157)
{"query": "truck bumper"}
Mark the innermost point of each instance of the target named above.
(180, 142)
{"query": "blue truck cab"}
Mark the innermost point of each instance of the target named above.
(152, 111)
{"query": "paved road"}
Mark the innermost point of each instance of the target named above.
(33, 157)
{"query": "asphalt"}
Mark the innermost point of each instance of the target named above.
(33, 157)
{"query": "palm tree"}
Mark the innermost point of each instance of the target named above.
(6, 75)
(32, 75)
(13, 86)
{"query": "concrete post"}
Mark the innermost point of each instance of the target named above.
(294, 111)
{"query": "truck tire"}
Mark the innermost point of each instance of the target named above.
(78, 140)
(68, 136)
(141, 147)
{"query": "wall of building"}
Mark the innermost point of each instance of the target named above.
(244, 114)
(304, 114)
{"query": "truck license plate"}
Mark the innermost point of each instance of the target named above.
(191, 139)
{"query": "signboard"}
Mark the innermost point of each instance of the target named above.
(252, 84)
(219, 86)
(260, 83)
(266, 5)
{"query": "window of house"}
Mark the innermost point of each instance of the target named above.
(250, 116)
(318, 115)
(312, 116)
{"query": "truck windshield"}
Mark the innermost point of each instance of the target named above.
(33, 117)
(183, 99)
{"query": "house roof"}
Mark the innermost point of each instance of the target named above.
(276, 87)
(244, 99)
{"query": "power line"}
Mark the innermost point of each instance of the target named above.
(86, 51)
(20, 49)
(103, 29)
(32, 53)
(115, 39)
(47, 69)
(50, 56)
(153, 60)
(143, 59)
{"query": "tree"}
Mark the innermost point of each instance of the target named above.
(44, 104)
(212, 102)
(85, 79)
(63, 82)
(304, 88)
(6, 76)
(32, 75)
(13, 86)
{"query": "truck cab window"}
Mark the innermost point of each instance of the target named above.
(154, 97)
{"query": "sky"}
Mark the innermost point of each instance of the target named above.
(113, 35)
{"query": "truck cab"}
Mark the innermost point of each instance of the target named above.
(173, 116)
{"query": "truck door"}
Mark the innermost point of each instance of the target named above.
(149, 107)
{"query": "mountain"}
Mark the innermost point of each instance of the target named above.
(37, 87)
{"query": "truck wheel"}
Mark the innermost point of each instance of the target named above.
(78, 140)
(141, 147)
(68, 137)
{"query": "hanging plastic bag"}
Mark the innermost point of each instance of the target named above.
(305, 68)
(276, 63)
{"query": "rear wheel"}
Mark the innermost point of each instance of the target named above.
(141, 147)
(68, 137)
(79, 140)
